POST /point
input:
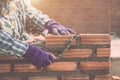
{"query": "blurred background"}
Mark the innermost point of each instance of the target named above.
(115, 16)
(84, 16)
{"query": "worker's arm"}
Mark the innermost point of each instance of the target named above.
(44, 22)
(35, 17)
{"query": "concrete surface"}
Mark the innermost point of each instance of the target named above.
(115, 47)
(115, 55)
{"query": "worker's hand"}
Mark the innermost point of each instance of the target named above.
(56, 28)
(38, 57)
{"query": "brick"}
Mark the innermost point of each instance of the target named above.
(95, 65)
(58, 39)
(25, 68)
(4, 68)
(10, 78)
(103, 77)
(58, 43)
(4, 57)
(103, 52)
(43, 78)
(77, 53)
(95, 39)
(62, 66)
(75, 77)
(115, 78)
(49, 36)
(95, 36)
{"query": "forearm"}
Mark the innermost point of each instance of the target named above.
(35, 15)
(11, 46)
(38, 18)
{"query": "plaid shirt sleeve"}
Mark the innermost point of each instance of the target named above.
(34, 16)
(11, 46)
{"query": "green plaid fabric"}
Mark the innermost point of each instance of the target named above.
(26, 18)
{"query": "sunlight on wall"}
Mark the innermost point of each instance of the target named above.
(72, 13)
(35, 1)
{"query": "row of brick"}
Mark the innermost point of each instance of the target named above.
(84, 39)
(57, 66)
(93, 46)
(63, 77)
(75, 53)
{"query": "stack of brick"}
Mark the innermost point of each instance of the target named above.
(86, 59)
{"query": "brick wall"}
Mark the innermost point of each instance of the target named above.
(86, 59)
(115, 16)
(84, 16)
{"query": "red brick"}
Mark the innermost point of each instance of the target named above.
(95, 39)
(103, 77)
(49, 36)
(10, 78)
(77, 53)
(95, 36)
(57, 43)
(75, 77)
(43, 78)
(4, 68)
(115, 78)
(103, 52)
(25, 68)
(58, 39)
(62, 66)
(95, 65)
(4, 57)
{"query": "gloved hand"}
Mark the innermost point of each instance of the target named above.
(56, 29)
(38, 57)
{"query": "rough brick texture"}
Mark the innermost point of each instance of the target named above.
(63, 66)
(25, 68)
(9, 78)
(78, 53)
(95, 39)
(103, 52)
(5, 68)
(102, 77)
(58, 39)
(75, 77)
(95, 65)
(43, 78)
(3, 57)
(87, 59)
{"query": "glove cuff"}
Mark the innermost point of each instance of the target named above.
(51, 22)
(29, 51)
